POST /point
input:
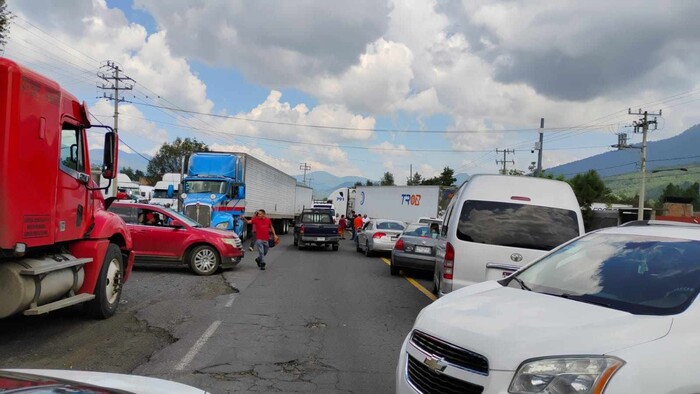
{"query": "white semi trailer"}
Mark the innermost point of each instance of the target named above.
(405, 203)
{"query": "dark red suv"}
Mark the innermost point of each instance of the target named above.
(162, 235)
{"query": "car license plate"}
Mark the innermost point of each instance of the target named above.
(423, 249)
(320, 238)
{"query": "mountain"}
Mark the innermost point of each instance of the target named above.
(676, 151)
(132, 160)
(325, 183)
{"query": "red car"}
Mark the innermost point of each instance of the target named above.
(162, 235)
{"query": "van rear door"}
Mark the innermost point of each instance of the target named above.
(499, 237)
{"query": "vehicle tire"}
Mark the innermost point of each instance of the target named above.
(357, 247)
(108, 290)
(368, 252)
(204, 260)
(244, 233)
(335, 247)
(436, 285)
(301, 244)
(394, 270)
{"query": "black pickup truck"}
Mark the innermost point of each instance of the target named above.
(316, 227)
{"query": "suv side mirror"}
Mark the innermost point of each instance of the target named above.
(176, 224)
(109, 160)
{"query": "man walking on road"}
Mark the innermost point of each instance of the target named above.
(342, 224)
(262, 225)
(356, 226)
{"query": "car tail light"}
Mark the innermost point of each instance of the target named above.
(301, 229)
(378, 235)
(449, 263)
(399, 245)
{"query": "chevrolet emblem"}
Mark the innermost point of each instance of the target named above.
(436, 364)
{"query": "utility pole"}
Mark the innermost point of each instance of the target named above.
(539, 149)
(113, 82)
(643, 124)
(410, 175)
(304, 167)
(504, 171)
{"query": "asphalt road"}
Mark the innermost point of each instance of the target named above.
(314, 321)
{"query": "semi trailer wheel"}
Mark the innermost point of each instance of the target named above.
(108, 289)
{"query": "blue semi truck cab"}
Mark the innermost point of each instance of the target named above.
(214, 191)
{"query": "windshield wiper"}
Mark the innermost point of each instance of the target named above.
(521, 283)
(582, 298)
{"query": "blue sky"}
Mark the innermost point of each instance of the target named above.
(373, 86)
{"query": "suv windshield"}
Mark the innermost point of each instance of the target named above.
(516, 225)
(638, 274)
(182, 218)
(217, 187)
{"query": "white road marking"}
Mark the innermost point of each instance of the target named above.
(197, 346)
(230, 302)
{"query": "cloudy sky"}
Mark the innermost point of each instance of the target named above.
(364, 87)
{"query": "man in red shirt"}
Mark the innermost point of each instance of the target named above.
(262, 225)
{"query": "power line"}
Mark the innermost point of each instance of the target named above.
(381, 130)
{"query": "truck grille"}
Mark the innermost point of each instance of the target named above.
(426, 381)
(199, 213)
(452, 354)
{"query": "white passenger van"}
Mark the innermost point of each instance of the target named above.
(495, 224)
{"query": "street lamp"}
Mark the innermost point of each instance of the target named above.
(670, 169)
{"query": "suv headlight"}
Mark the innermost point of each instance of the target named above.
(230, 241)
(565, 375)
(222, 225)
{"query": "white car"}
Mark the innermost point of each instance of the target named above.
(610, 312)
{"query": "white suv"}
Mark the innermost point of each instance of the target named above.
(613, 311)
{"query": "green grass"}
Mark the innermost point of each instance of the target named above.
(628, 184)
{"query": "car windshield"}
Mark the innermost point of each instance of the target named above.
(182, 218)
(216, 187)
(638, 274)
(417, 230)
(390, 226)
(516, 225)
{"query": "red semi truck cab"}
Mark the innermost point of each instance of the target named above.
(59, 246)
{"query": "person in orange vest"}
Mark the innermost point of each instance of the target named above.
(356, 226)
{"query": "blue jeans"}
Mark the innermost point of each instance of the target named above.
(262, 246)
(354, 234)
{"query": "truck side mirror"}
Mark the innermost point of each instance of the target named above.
(171, 191)
(241, 192)
(109, 160)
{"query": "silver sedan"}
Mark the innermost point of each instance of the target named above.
(379, 235)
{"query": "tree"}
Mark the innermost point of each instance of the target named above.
(416, 179)
(169, 156)
(672, 190)
(387, 179)
(134, 175)
(369, 183)
(358, 183)
(516, 172)
(5, 18)
(446, 178)
(589, 188)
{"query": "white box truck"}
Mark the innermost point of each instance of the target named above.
(405, 203)
(166, 191)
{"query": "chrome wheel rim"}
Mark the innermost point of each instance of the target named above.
(205, 260)
(114, 280)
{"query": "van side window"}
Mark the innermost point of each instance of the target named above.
(448, 217)
(72, 156)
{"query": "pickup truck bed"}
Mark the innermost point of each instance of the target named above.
(316, 228)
